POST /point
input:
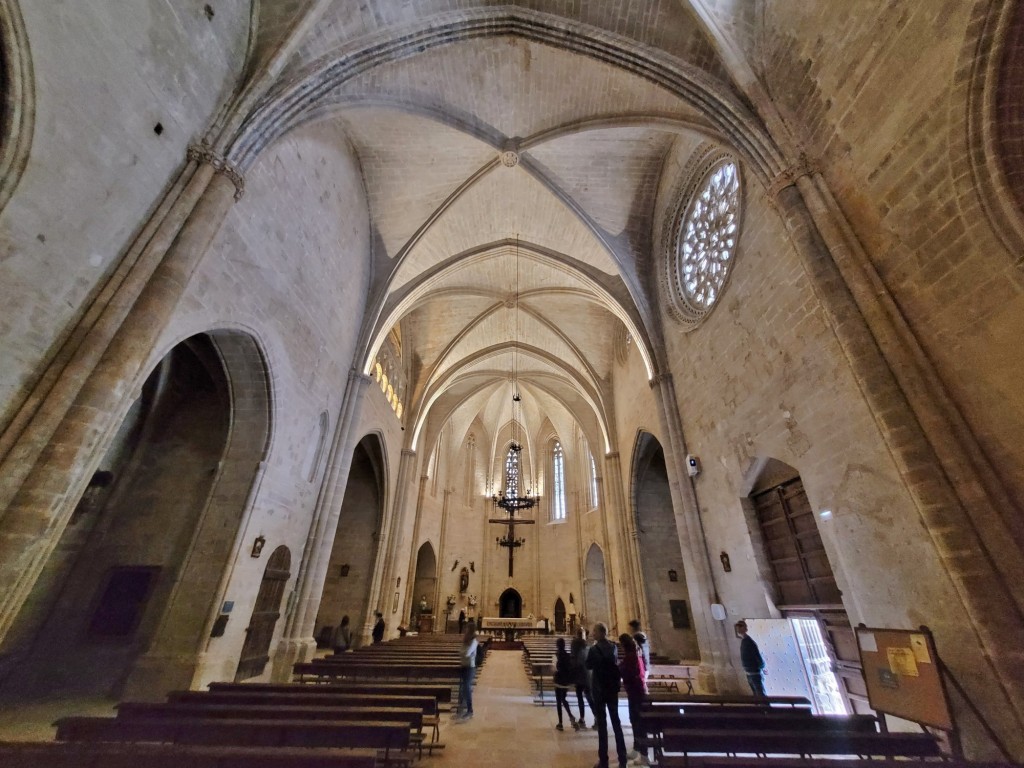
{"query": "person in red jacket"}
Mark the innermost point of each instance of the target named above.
(634, 680)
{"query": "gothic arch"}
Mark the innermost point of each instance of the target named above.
(176, 474)
(666, 595)
(991, 133)
(17, 108)
(349, 581)
(595, 587)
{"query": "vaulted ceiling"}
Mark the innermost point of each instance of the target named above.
(512, 184)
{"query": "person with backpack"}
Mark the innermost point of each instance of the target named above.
(634, 681)
(643, 644)
(605, 681)
(563, 680)
(578, 650)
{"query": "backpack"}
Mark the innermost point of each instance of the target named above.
(606, 673)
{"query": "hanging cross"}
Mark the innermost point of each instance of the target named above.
(509, 539)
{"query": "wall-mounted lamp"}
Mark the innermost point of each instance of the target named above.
(344, 570)
(257, 546)
(673, 576)
(726, 564)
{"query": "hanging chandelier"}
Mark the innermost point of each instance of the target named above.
(510, 500)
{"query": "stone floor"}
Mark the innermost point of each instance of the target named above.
(508, 729)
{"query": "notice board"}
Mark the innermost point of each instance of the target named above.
(903, 675)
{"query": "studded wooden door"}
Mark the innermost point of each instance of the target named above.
(805, 582)
(266, 612)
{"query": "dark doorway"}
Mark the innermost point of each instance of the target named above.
(510, 605)
(559, 616)
(265, 613)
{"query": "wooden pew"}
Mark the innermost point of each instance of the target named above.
(659, 720)
(313, 698)
(356, 670)
(55, 754)
(888, 745)
(387, 736)
(726, 701)
(443, 693)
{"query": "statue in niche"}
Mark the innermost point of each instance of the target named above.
(463, 580)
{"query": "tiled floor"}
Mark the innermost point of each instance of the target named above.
(509, 730)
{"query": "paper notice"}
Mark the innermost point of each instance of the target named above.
(919, 645)
(867, 642)
(902, 661)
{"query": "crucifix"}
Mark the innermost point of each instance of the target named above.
(509, 540)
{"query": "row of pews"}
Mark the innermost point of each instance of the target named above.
(771, 732)
(342, 717)
(539, 661)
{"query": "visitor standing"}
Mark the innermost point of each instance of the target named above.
(581, 678)
(751, 659)
(605, 681)
(634, 681)
(643, 644)
(378, 629)
(467, 660)
(343, 636)
(563, 681)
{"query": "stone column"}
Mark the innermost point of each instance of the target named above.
(622, 509)
(716, 671)
(391, 535)
(442, 547)
(297, 642)
(972, 557)
(414, 549)
(56, 464)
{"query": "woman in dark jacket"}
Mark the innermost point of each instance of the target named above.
(579, 670)
(563, 681)
(631, 667)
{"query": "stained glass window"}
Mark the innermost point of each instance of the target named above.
(558, 485)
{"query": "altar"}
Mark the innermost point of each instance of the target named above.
(511, 628)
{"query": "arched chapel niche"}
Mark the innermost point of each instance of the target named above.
(559, 615)
(121, 605)
(350, 571)
(595, 588)
(425, 583)
(669, 616)
(510, 604)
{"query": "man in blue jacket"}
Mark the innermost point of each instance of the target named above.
(751, 659)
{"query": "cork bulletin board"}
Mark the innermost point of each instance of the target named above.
(903, 676)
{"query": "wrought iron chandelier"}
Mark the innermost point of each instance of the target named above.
(510, 501)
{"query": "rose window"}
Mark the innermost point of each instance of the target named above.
(706, 240)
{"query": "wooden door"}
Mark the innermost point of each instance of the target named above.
(559, 616)
(265, 613)
(804, 580)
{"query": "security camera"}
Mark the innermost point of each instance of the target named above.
(692, 465)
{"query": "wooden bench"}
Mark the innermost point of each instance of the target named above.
(356, 670)
(659, 720)
(669, 684)
(731, 700)
(313, 698)
(443, 693)
(55, 754)
(384, 736)
(763, 742)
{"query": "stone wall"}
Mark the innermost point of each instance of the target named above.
(106, 76)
